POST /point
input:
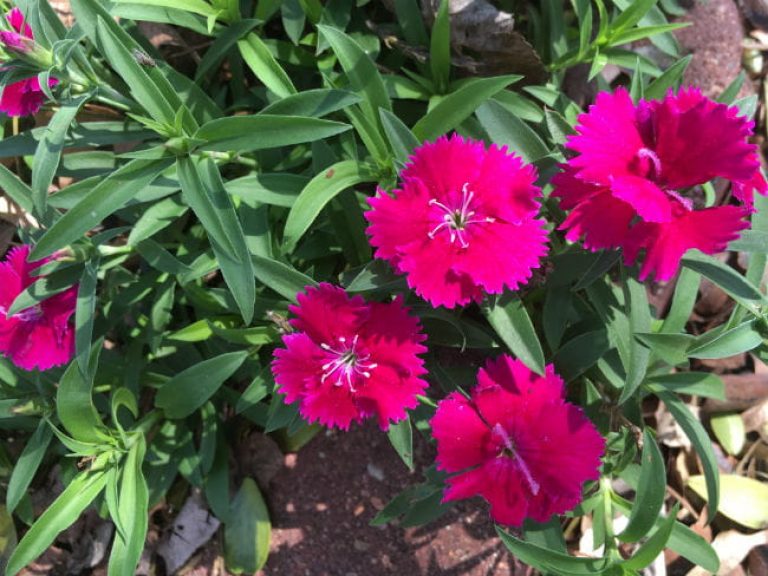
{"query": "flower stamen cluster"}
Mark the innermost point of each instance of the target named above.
(348, 363)
(457, 220)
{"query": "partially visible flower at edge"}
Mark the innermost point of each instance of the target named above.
(517, 443)
(349, 359)
(40, 336)
(626, 187)
(463, 224)
(24, 97)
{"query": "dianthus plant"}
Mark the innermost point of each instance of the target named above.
(307, 216)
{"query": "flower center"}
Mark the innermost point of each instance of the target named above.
(508, 451)
(27, 315)
(347, 363)
(648, 164)
(456, 220)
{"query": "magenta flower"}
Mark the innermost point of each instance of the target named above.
(350, 359)
(41, 336)
(517, 443)
(24, 97)
(463, 224)
(627, 187)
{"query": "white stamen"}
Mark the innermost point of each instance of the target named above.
(457, 220)
(348, 363)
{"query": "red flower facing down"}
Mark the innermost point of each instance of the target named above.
(463, 224)
(24, 97)
(627, 186)
(517, 443)
(41, 336)
(350, 359)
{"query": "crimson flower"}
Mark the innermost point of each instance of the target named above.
(350, 359)
(517, 443)
(37, 337)
(462, 224)
(627, 186)
(24, 97)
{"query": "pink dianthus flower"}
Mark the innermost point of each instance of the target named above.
(463, 224)
(627, 186)
(517, 443)
(24, 97)
(350, 359)
(37, 337)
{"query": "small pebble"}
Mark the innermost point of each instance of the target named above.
(375, 472)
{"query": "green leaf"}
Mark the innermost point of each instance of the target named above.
(204, 192)
(141, 85)
(459, 105)
(85, 308)
(652, 547)
(743, 500)
(651, 490)
(694, 383)
(247, 531)
(401, 139)
(401, 437)
(195, 6)
(261, 131)
(132, 509)
(361, 71)
(317, 193)
(729, 431)
(548, 560)
(631, 16)
(671, 78)
(314, 103)
(190, 389)
(683, 301)
(581, 353)
(14, 188)
(738, 287)
(108, 196)
(223, 43)
(504, 128)
(256, 392)
(48, 153)
(67, 508)
(440, 48)
(264, 66)
(754, 241)
(27, 464)
(701, 443)
(510, 320)
(642, 32)
(280, 277)
(639, 321)
(74, 403)
(742, 338)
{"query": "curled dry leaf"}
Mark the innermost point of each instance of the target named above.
(486, 37)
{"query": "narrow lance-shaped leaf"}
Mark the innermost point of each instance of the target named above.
(27, 465)
(318, 192)
(261, 62)
(511, 322)
(105, 198)
(48, 153)
(459, 105)
(57, 517)
(361, 71)
(651, 490)
(190, 389)
(204, 191)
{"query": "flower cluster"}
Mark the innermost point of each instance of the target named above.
(24, 97)
(633, 183)
(512, 442)
(37, 337)
(463, 224)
